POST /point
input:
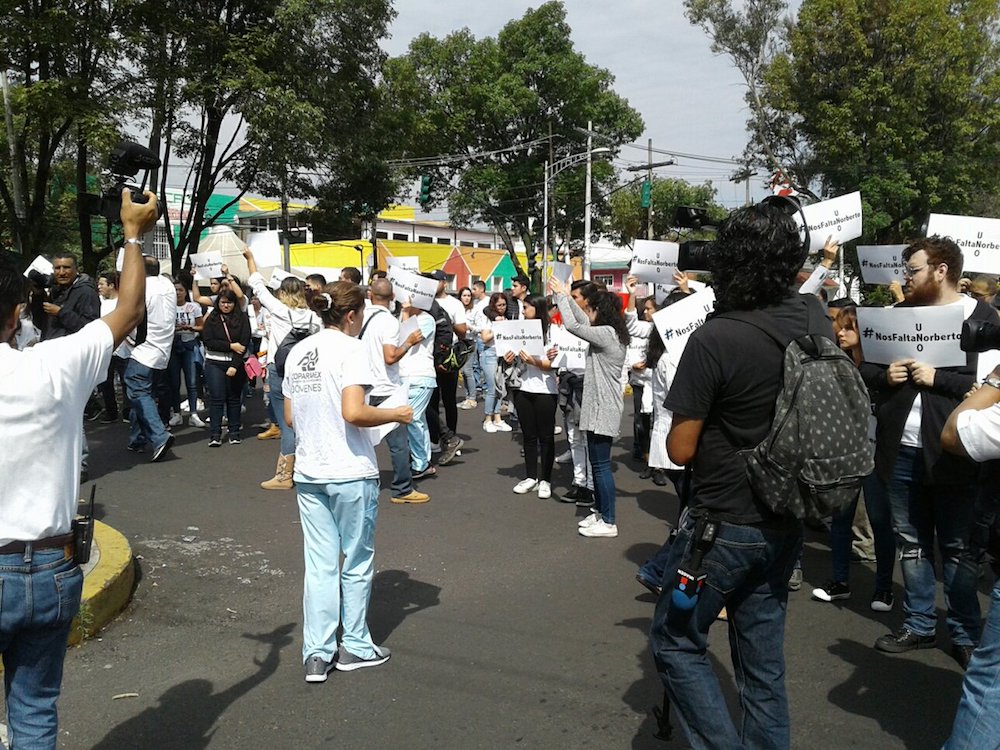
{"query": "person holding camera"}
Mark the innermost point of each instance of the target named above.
(930, 494)
(41, 415)
(73, 300)
(973, 430)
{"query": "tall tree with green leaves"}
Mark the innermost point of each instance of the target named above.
(500, 108)
(629, 218)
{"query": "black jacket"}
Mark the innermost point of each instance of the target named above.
(79, 304)
(893, 404)
(213, 335)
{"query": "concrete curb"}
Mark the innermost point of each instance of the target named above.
(107, 587)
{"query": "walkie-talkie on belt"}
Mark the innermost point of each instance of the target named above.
(83, 532)
(690, 578)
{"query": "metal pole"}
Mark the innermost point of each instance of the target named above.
(649, 179)
(586, 200)
(545, 225)
(15, 163)
(286, 246)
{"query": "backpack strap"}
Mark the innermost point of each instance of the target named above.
(759, 319)
(361, 335)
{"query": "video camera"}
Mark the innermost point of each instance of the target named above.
(124, 163)
(979, 336)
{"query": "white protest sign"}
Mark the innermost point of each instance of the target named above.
(399, 397)
(979, 239)
(517, 335)
(654, 261)
(676, 323)
(636, 350)
(562, 271)
(408, 262)
(927, 334)
(407, 285)
(662, 291)
(206, 265)
(815, 281)
(881, 264)
(120, 259)
(839, 218)
(277, 276)
(572, 350)
(40, 264)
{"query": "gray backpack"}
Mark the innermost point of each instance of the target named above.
(817, 453)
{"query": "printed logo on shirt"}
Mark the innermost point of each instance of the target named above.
(308, 362)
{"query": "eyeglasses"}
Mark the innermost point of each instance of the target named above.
(909, 273)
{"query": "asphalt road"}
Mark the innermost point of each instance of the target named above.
(507, 628)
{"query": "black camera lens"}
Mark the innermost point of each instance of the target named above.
(979, 336)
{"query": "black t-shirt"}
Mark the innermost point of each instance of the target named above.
(729, 376)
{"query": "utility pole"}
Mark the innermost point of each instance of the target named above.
(15, 163)
(286, 245)
(649, 179)
(545, 226)
(586, 195)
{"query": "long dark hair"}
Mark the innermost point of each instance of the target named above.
(541, 306)
(607, 307)
(756, 257)
(491, 309)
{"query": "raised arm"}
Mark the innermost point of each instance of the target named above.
(137, 219)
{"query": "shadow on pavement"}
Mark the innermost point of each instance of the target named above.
(909, 699)
(187, 712)
(396, 596)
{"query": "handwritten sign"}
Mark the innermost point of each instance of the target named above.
(40, 264)
(654, 261)
(206, 265)
(881, 264)
(839, 218)
(927, 334)
(408, 262)
(517, 335)
(277, 276)
(407, 286)
(676, 323)
(979, 239)
(572, 350)
(562, 271)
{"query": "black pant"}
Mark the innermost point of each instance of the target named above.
(537, 415)
(447, 391)
(224, 393)
(115, 368)
(641, 425)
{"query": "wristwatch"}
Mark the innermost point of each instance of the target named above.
(992, 380)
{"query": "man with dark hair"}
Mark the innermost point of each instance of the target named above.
(315, 282)
(44, 391)
(148, 362)
(723, 398)
(73, 298)
(351, 275)
(446, 393)
(519, 291)
(929, 493)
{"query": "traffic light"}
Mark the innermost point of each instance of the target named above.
(532, 264)
(425, 189)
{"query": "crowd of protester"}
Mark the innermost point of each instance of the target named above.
(343, 367)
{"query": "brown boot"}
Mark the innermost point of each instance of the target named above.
(272, 432)
(282, 479)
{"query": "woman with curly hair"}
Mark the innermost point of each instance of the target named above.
(603, 327)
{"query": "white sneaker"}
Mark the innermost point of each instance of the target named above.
(565, 458)
(544, 490)
(558, 430)
(599, 529)
(176, 420)
(196, 421)
(589, 520)
(502, 426)
(489, 427)
(525, 486)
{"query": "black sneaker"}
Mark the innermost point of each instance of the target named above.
(161, 450)
(648, 584)
(573, 492)
(108, 419)
(882, 601)
(962, 653)
(136, 447)
(235, 440)
(215, 441)
(646, 473)
(317, 669)
(660, 477)
(904, 640)
(832, 591)
(448, 452)
(348, 662)
(586, 499)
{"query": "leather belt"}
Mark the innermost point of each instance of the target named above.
(52, 542)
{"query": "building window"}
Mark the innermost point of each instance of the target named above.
(424, 238)
(466, 243)
(401, 237)
(604, 278)
(382, 235)
(486, 245)
(473, 279)
(497, 284)
(443, 241)
(451, 280)
(161, 243)
(272, 223)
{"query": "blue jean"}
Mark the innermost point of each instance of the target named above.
(398, 443)
(224, 393)
(417, 432)
(654, 567)
(599, 453)
(488, 369)
(470, 374)
(919, 512)
(748, 569)
(977, 722)
(276, 405)
(877, 507)
(337, 517)
(182, 359)
(146, 425)
(39, 597)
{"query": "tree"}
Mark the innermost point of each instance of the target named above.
(628, 219)
(499, 108)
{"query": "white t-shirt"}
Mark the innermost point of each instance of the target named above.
(283, 317)
(380, 328)
(161, 312)
(41, 407)
(317, 371)
(187, 314)
(419, 361)
(537, 380)
(483, 323)
(455, 310)
(979, 432)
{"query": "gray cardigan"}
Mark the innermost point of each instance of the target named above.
(603, 396)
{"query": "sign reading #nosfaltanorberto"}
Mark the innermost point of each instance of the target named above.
(572, 349)
(654, 261)
(926, 334)
(978, 237)
(839, 218)
(409, 262)
(881, 264)
(517, 335)
(407, 285)
(676, 323)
